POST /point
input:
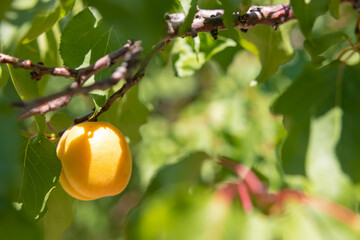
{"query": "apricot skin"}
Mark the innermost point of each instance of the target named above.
(96, 161)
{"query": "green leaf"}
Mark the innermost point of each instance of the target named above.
(4, 76)
(177, 7)
(78, 38)
(185, 171)
(24, 85)
(127, 114)
(66, 6)
(314, 93)
(307, 223)
(143, 25)
(323, 167)
(41, 170)
(4, 6)
(318, 45)
(334, 8)
(188, 58)
(60, 121)
(175, 187)
(44, 19)
(59, 215)
(273, 48)
(41, 123)
(294, 147)
(231, 6)
(14, 225)
(306, 13)
(347, 148)
(9, 143)
(108, 41)
(189, 18)
(99, 98)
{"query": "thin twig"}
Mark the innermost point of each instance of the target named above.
(129, 83)
(60, 99)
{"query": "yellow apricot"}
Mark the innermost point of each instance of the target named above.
(96, 160)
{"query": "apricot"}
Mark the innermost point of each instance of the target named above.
(96, 160)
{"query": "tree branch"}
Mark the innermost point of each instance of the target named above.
(129, 83)
(209, 20)
(129, 53)
(204, 21)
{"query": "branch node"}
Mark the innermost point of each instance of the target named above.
(214, 33)
(193, 33)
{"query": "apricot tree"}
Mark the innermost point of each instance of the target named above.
(242, 118)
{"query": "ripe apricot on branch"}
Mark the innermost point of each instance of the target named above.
(96, 160)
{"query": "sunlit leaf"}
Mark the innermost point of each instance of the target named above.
(25, 86)
(313, 94)
(81, 27)
(189, 58)
(273, 48)
(59, 214)
(41, 170)
(44, 19)
(108, 41)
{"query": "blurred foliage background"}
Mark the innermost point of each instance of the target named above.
(200, 99)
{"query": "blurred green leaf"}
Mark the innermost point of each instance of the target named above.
(4, 6)
(41, 170)
(294, 147)
(272, 47)
(347, 148)
(168, 191)
(41, 123)
(306, 223)
(25, 86)
(78, 38)
(26, 20)
(59, 214)
(14, 225)
(66, 6)
(188, 58)
(334, 8)
(318, 45)
(184, 171)
(60, 121)
(177, 7)
(9, 142)
(127, 114)
(322, 166)
(44, 19)
(231, 6)
(144, 25)
(4, 76)
(313, 94)
(306, 13)
(190, 14)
